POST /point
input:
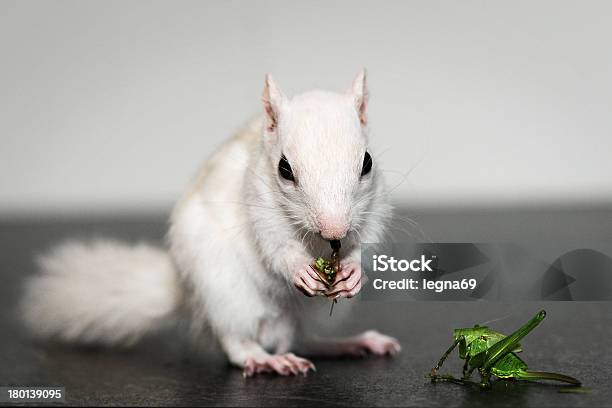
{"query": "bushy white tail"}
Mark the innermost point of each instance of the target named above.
(102, 292)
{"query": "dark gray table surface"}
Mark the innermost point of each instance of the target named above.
(576, 337)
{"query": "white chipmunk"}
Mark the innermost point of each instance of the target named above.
(241, 237)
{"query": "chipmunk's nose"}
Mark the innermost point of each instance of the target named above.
(332, 227)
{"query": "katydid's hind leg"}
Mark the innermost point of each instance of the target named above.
(369, 342)
(507, 344)
(542, 375)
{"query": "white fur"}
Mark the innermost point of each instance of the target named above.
(102, 292)
(238, 235)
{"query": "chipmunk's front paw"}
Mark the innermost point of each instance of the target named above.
(348, 281)
(283, 364)
(308, 282)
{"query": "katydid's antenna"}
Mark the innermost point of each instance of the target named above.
(512, 312)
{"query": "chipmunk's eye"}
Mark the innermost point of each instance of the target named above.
(367, 164)
(284, 169)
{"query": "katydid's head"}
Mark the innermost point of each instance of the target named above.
(317, 147)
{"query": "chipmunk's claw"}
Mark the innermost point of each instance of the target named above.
(379, 344)
(282, 364)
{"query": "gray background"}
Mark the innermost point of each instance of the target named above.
(111, 106)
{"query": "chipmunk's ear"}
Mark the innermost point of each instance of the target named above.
(272, 99)
(359, 92)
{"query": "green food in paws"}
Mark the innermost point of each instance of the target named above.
(325, 269)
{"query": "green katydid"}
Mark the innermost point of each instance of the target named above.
(493, 353)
